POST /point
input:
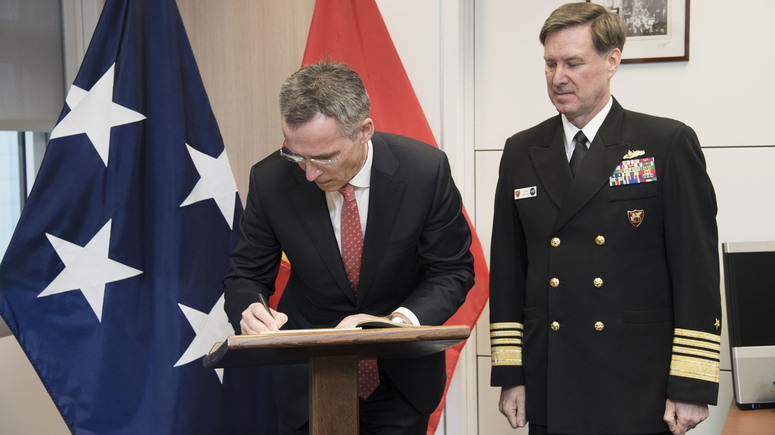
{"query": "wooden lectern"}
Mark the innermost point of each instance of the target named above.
(333, 356)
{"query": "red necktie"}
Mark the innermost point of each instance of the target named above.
(352, 249)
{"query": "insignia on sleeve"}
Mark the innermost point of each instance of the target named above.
(696, 355)
(506, 343)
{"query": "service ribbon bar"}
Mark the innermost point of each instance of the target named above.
(634, 171)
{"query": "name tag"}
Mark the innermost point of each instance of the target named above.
(525, 192)
(634, 171)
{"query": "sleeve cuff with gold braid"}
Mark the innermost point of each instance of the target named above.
(696, 355)
(506, 343)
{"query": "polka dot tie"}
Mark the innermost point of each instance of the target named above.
(352, 249)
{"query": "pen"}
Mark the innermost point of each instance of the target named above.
(265, 304)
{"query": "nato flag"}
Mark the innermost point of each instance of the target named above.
(111, 282)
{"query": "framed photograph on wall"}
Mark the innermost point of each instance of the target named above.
(657, 30)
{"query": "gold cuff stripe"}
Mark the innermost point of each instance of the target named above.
(695, 368)
(509, 333)
(694, 343)
(507, 357)
(698, 335)
(506, 325)
(696, 352)
(502, 341)
(713, 379)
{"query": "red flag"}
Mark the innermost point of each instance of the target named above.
(283, 275)
(353, 32)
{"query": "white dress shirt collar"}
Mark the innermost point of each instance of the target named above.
(590, 130)
(363, 178)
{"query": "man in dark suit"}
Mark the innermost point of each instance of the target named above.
(605, 303)
(372, 225)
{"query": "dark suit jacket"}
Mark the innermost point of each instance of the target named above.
(620, 294)
(416, 254)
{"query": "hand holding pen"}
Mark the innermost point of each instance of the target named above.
(259, 317)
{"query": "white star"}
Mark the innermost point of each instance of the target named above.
(210, 328)
(216, 182)
(87, 269)
(95, 113)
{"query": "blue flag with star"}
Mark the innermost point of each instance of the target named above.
(111, 282)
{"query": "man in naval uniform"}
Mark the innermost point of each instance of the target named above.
(605, 301)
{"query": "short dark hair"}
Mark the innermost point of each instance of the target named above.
(326, 87)
(608, 28)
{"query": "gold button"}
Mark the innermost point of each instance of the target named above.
(555, 326)
(554, 282)
(598, 282)
(555, 242)
(600, 240)
(599, 326)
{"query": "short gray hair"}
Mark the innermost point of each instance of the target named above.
(329, 88)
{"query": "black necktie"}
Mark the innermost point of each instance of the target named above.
(578, 153)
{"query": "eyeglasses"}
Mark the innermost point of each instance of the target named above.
(322, 162)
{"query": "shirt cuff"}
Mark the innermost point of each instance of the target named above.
(409, 315)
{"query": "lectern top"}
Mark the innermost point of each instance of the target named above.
(293, 347)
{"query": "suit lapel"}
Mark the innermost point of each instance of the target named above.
(605, 153)
(552, 167)
(312, 209)
(385, 198)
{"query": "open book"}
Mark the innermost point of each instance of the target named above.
(363, 324)
(381, 323)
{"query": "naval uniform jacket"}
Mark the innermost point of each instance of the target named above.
(605, 300)
(415, 254)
